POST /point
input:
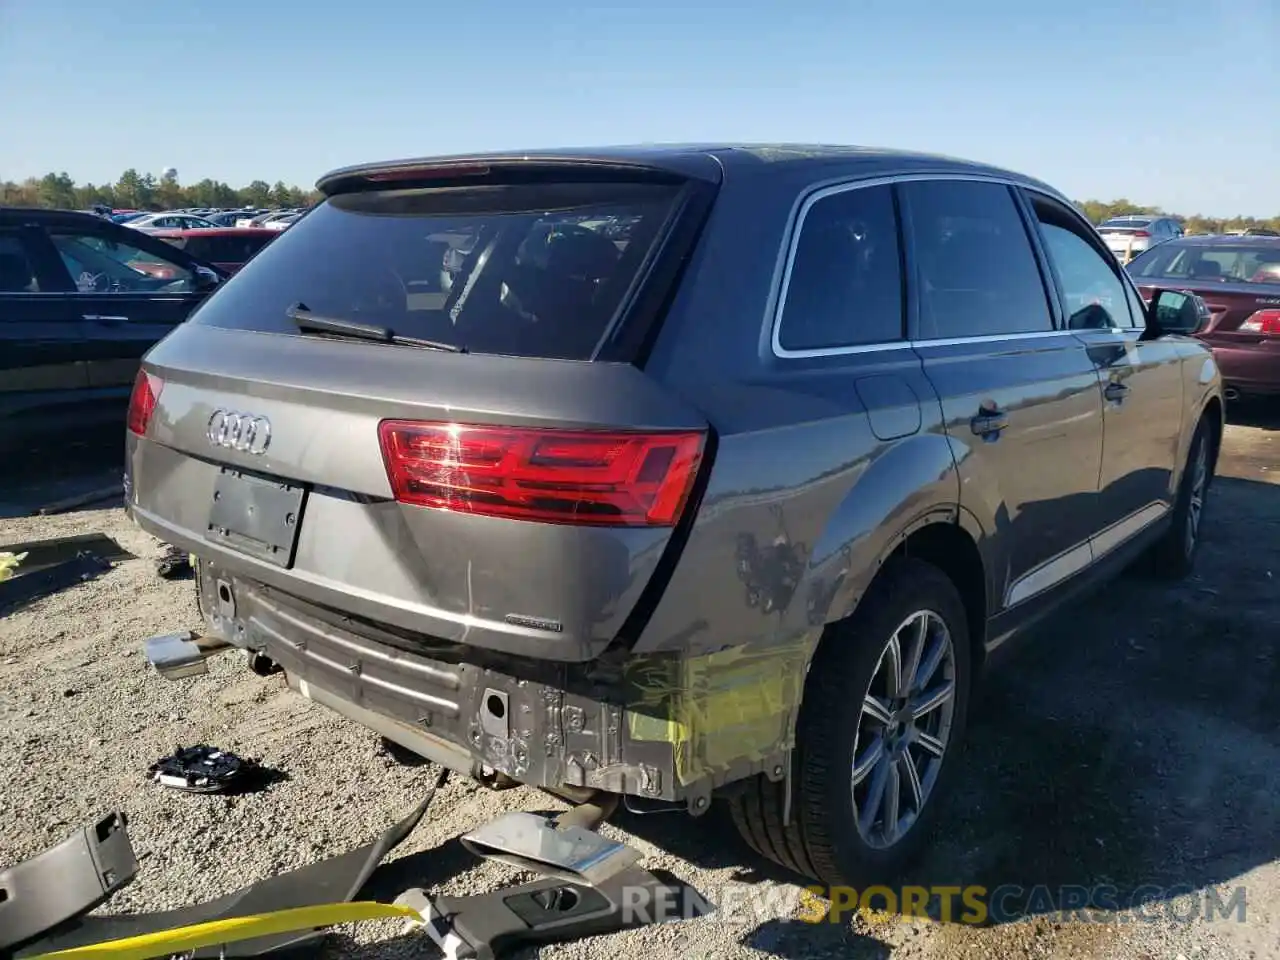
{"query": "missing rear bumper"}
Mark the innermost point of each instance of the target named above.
(660, 727)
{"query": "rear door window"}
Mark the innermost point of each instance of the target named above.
(976, 271)
(844, 286)
(535, 270)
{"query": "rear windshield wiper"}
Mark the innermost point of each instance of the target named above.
(308, 322)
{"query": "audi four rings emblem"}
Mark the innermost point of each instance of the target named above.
(239, 431)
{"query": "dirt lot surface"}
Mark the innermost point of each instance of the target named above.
(1133, 743)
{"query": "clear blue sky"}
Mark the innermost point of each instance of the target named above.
(1174, 102)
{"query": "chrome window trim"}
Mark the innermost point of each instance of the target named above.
(796, 225)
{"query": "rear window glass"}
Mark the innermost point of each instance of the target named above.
(524, 270)
(1112, 225)
(1228, 264)
(226, 248)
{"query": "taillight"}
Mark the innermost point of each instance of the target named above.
(554, 476)
(142, 402)
(1266, 322)
(1141, 233)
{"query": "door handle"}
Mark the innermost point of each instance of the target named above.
(1116, 391)
(988, 423)
(105, 320)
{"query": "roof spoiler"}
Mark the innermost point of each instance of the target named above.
(461, 171)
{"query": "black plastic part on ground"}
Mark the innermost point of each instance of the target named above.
(174, 564)
(491, 925)
(204, 769)
(335, 880)
(65, 881)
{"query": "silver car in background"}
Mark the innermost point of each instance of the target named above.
(1129, 236)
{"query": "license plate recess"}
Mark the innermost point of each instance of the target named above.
(256, 515)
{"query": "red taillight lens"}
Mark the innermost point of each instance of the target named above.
(555, 476)
(1266, 322)
(1141, 233)
(142, 402)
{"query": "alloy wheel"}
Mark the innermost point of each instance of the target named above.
(1195, 498)
(904, 729)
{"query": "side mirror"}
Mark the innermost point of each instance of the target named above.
(206, 279)
(1177, 311)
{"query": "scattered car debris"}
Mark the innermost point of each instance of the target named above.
(9, 562)
(56, 890)
(490, 925)
(39, 568)
(206, 769)
(174, 564)
(339, 878)
(39, 553)
(51, 579)
(65, 881)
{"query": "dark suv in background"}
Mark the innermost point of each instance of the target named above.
(81, 300)
(675, 473)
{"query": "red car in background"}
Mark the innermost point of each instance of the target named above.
(227, 247)
(1239, 279)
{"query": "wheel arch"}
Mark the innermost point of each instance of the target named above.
(948, 538)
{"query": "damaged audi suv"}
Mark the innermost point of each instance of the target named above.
(675, 473)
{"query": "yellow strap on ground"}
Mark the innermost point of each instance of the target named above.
(218, 932)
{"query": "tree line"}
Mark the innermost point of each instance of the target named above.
(1098, 210)
(144, 191)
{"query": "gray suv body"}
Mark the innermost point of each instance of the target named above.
(675, 472)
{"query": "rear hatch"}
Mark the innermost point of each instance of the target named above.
(424, 405)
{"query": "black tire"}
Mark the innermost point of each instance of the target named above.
(823, 840)
(1173, 556)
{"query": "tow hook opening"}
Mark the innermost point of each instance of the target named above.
(494, 714)
(261, 664)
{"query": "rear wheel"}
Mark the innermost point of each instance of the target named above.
(884, 710)
(1174, 555)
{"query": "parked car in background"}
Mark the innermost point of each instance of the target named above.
(1254, 232)
(1239, 279)
(756, 540)
(229, 218)
(1129, 236)
(170, 221)
(264, 218)
(229, 248)
(282, 222)
(78, 309)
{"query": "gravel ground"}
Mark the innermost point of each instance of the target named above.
(1134, 741)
